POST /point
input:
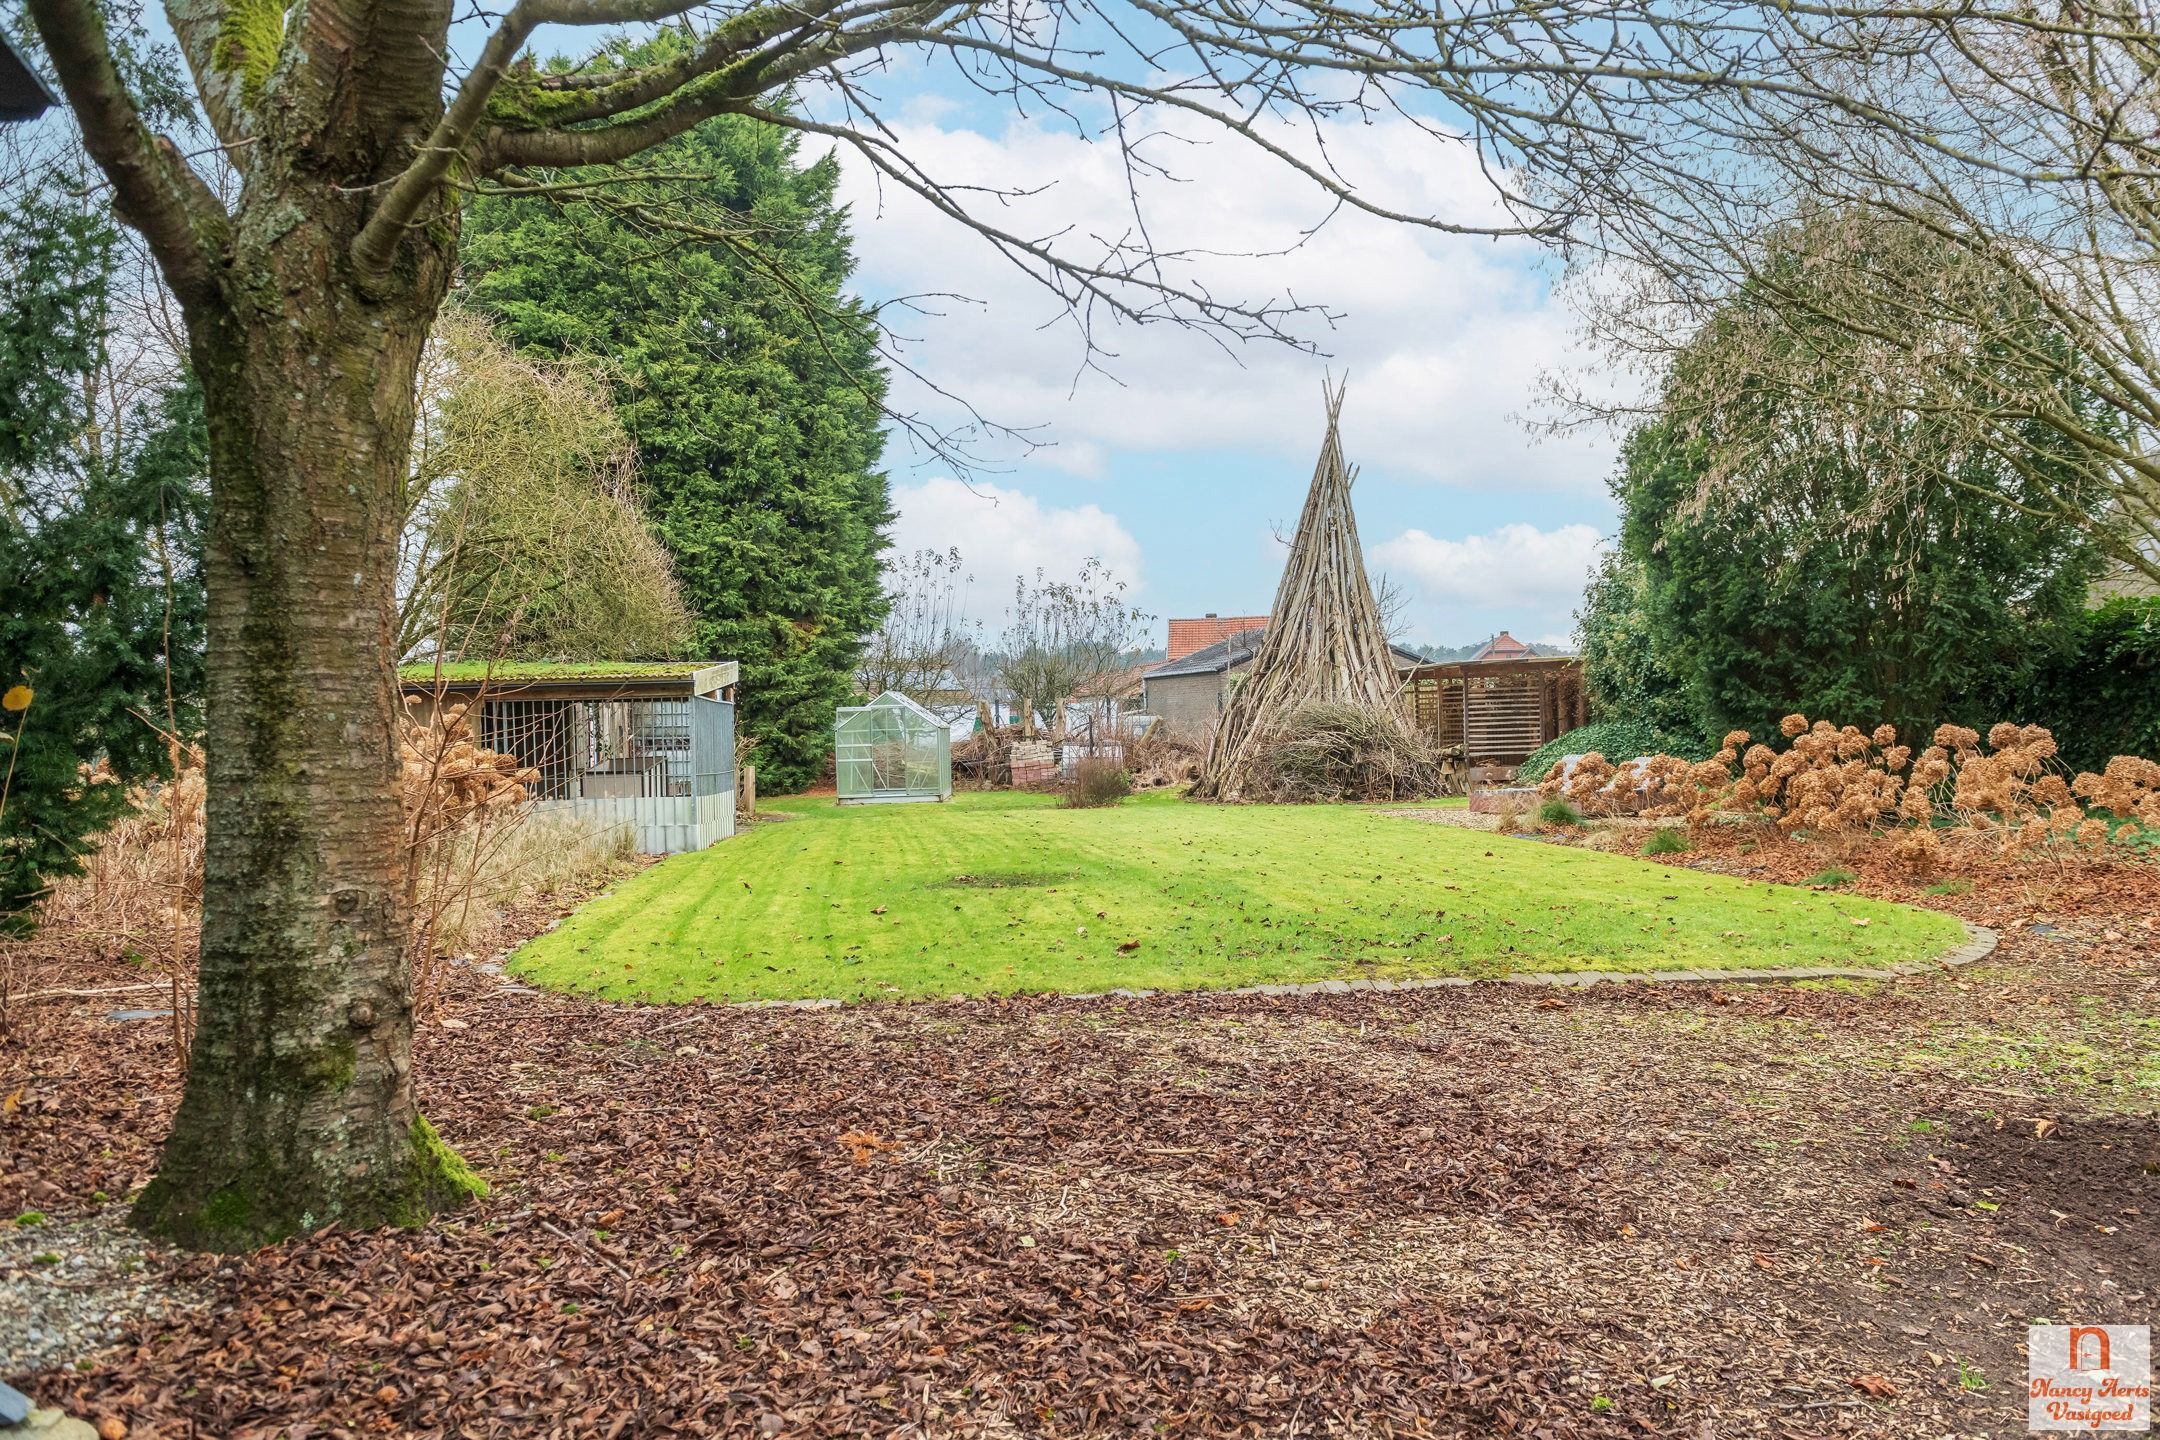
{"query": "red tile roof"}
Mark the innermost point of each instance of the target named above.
(1186, 636)
(1504, 647)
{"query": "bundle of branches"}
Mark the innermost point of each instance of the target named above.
(1328, 750)
(979, 762)
(1325, 644)
(1159, 759)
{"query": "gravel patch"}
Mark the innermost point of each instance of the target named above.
(1456, 815)
(71, 1288)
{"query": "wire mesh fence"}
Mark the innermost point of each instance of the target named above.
(596, 749)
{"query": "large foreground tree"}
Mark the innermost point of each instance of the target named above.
(349, 137)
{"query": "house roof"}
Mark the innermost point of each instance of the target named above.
(1237, 649)
(1503, 647)
(1492, 669)
(23, 95)
(1225, 654)
(1190, 636)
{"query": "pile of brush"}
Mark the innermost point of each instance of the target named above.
(1329, 750)
(1159, 760)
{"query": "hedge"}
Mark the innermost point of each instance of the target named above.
(2102, 696)
(1616, 740)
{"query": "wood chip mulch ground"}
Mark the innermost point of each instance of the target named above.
(1691, 1211)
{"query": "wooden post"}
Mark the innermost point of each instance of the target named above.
(746, 790)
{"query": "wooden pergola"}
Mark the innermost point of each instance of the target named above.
(1497, 710)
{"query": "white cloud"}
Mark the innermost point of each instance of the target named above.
(1518, 575)
(1442, 336)
(1515, 564)
(1004, 533)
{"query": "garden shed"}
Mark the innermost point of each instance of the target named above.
(647, 745)
(891, 751)
(1498, 710)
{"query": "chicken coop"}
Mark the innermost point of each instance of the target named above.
(647, 746)
(891, 751)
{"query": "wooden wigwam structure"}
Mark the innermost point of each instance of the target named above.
(1326, 643)
(650, 746)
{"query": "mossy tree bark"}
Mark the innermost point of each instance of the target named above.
(298, 1109)
(299, 1105)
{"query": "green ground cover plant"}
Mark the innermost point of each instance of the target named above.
(1009, 893)
(1558, 812)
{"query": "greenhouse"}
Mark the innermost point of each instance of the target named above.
(891, 751)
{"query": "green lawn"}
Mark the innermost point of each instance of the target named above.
(1001, 892)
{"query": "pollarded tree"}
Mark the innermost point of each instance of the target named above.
(309, 282)
(1063, 640)
(925, 640)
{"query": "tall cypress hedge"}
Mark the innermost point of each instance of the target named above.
(751, 385)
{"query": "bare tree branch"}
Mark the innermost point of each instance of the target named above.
(158, 194)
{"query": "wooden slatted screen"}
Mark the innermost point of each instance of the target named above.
(1505, 719)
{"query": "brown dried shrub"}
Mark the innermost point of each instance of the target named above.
(1096, 783)
(1851, 784)
(2128, 789)
(138, 896)
(463, 805)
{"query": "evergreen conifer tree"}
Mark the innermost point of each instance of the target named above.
(751, 386)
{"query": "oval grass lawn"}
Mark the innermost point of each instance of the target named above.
(999, 893)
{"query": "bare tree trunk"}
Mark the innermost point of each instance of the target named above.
(299, 1106)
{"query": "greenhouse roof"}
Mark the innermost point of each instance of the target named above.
(894, 700)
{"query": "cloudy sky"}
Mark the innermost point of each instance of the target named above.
(1179, 462)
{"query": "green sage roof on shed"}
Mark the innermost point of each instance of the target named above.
(703, 676)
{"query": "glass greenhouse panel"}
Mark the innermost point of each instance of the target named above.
(891, 749)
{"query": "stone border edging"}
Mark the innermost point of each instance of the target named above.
(1980, 942)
